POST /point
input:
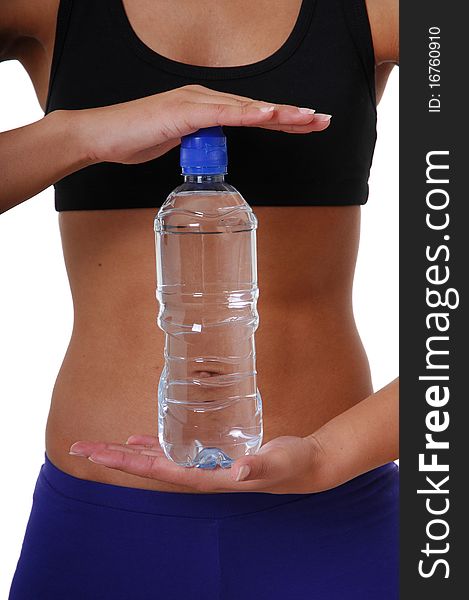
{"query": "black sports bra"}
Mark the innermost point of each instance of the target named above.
(327, 63)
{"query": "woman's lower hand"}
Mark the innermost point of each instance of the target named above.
(143, 129)
(285, 465)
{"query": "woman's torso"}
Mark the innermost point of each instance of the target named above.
(310, 361)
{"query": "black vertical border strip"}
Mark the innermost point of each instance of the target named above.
(420, 133)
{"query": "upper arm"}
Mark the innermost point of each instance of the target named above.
(384, 23)
(21, 20)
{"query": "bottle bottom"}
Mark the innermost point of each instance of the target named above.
(209, 457)
(206, 458)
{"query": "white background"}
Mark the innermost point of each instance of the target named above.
(36, 310)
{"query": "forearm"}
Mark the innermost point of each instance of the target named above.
(363, 437)
(35, 156)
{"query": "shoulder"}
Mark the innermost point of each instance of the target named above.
(24, 20)
(384, 23)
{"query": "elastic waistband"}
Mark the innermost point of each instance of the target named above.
(217, 505)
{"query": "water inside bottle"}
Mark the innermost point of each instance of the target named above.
(210, 410)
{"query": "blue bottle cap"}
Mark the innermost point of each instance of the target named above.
(204, 152)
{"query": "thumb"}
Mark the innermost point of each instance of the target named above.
(259, 466)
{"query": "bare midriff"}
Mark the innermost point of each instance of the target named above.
(310, 361)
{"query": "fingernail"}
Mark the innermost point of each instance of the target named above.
(243, 473)
(307, 111)
(322, 117)
(94, 460)
(75, 450)
(266, 109)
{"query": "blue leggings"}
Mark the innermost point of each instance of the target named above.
(94, 541)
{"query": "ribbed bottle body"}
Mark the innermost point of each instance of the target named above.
(209, 407)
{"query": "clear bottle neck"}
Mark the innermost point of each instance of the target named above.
(204, 178)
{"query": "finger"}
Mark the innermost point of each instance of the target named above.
(210, 95)
(144, 440)
(261, 466)
(285, 109)
(136, 449)
(86, 448)
(214, 96)
(289, 120)
(283, 113)
(300, 129)
(144, 463)
(284, 118)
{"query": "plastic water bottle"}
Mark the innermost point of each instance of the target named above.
(209, 407)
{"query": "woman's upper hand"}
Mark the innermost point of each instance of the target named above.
(285, 465)
(65, 141)
(143, 129)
